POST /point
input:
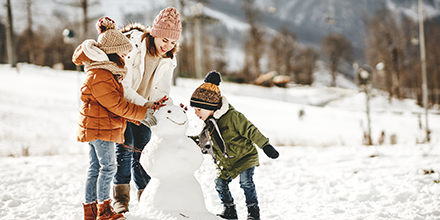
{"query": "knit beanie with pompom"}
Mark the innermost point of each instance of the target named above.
(111, 40)
(167, 24)
(208, 95)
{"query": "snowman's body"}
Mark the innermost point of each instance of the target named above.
(171, 158)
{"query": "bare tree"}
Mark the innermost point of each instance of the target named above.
(84, 5)
(305, 64)
(409, 74)
(186, 63)
(282, 51)
(194, 44)
(254, 45)
(433, 60)
(50, 46)
(336, 48)
(10, 35)
(85, 21)
(30, 32)
(385, 43)
(3, 53)
(394, 41)
(218, 61)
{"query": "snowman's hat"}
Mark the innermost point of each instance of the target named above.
(208, 95)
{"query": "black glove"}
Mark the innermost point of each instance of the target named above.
(270, 151)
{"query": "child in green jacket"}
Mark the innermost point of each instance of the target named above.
(232, 146)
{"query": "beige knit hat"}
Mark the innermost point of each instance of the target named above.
(167, 24)
(111, 40)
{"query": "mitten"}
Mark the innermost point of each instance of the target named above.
(270, 151)
(149, 119)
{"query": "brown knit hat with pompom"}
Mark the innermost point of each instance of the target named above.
(167, 24)
(111, 40)
(208, 95)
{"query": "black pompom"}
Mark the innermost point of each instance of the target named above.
(213, 77)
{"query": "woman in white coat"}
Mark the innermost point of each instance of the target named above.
(150, 71)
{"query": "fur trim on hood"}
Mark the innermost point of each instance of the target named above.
(225, 107)
(136, 26)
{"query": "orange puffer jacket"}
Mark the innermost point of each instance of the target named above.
(104, 110)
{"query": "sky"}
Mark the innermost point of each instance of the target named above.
(323, 172)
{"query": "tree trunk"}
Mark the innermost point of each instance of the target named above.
(30, 32)
(10, 36)
(84, 6)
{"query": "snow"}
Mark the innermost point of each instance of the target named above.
(323, 172)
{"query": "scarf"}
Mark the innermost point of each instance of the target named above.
(99, 60)
(118, 72)
(211, 128)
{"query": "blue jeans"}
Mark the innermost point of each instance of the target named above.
(102, 168)
(128, 154)
(246, 183)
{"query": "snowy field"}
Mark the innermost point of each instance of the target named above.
(323, 172)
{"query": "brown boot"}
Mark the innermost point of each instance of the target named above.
(121, 195)
(139, 194)
(105, 212)
(90, 211)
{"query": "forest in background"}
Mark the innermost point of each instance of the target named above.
(391, 39)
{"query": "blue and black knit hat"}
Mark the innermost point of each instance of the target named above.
(208, 95)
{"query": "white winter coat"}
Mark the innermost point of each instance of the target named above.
(134, 61)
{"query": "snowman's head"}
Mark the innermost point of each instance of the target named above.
(171, 119)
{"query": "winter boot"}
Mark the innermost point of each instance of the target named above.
(121, 195)
(229, 212)
(253, 212)
(105, 212)
(90, 211)
(139, 193)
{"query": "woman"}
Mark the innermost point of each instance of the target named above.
(150, 71)
(103, 113)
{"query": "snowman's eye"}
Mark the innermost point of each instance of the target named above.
(169, 111)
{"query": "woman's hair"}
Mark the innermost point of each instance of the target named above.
(117, 59)
(152, 50)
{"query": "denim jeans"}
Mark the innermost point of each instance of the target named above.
(128, 154)
(102, 168)
(246, 183)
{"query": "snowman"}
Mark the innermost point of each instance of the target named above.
(171, 158)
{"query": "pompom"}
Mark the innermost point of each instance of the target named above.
(213, 77)
(104, 24)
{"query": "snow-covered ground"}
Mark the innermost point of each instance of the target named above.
(323, 172)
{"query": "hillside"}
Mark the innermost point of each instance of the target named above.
(307, 19)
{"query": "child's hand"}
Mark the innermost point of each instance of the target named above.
(270, 151)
